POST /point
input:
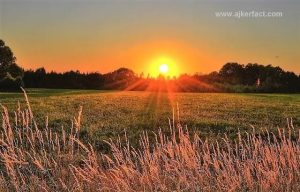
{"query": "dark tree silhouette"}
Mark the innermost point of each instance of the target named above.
(232, 73)
(68, 80)
(245, 78)
(10, 73)
(7, 57)
(232, 77)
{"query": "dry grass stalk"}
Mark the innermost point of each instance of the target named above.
(39, 159)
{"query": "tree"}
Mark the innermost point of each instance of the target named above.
(40, 78)
(10, 73)
(8, 83)
(6, 58)
(232, 73)
(252, 73)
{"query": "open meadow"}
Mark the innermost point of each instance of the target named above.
(67, 152)
(106, 114)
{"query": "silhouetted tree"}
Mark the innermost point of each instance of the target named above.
(10, 73)
(232, 73)
(68, 80)
(252, 73)
(232, 77)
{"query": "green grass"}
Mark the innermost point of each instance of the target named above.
(108, 114)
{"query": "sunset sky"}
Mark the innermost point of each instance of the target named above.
(104, 35)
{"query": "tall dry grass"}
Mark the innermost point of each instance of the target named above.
(36, 158)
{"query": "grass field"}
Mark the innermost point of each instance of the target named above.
(38, 158)
(107, 114)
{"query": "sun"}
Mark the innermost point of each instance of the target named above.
(164, 68)
(163, 65)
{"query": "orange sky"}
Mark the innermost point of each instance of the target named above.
(106, 35)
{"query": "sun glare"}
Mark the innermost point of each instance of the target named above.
(164, 68)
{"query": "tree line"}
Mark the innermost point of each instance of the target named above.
(232, 77)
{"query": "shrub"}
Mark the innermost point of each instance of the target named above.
(9, 83)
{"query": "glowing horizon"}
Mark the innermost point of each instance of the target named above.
(103, 36)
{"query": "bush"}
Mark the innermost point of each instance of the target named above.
(8, 83)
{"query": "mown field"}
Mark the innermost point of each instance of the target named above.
(108, 114)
